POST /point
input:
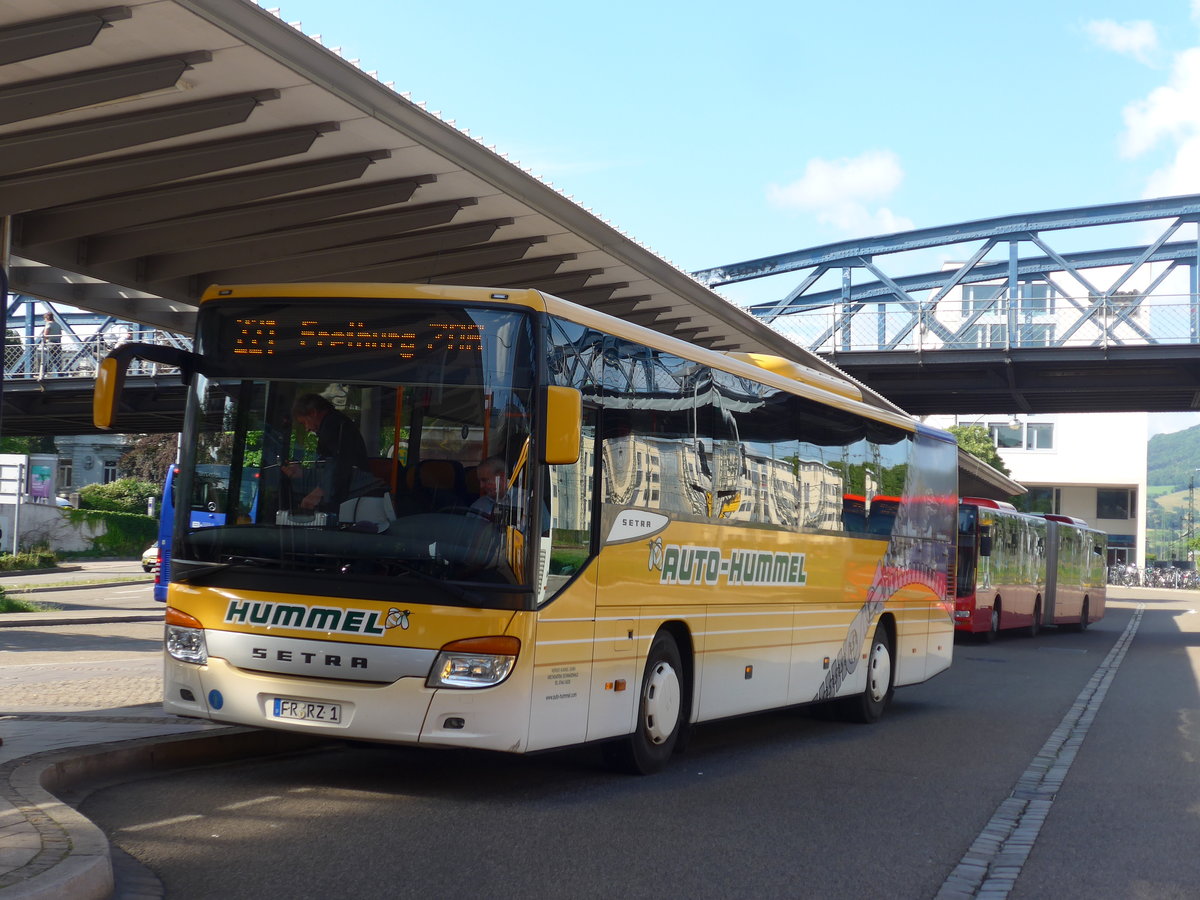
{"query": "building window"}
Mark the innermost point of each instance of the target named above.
(1006, 435)
(1039, 436)
(1022, 435)
(110, 471)
(1115, 504)
(979, 298)
(1040, 500)
(1036, 299)
(66, 474)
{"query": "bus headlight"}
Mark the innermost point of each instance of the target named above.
(474, 663)
(184, 638)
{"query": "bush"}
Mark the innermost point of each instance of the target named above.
(125, 495)
(30, 559)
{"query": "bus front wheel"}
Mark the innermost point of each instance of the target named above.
(660, 713)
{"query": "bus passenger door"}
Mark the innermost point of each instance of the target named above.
(565, 629)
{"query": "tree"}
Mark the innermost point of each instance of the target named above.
(26, 445)
(977, 441)
(148, 457)
(127, 495)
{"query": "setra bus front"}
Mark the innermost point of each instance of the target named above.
(381, 578)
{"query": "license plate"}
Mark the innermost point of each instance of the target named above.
(307, 710)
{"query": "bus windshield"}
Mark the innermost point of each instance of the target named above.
(345, 454)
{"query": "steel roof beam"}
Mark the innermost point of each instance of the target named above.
(332, 236)
(517, 274)
(595, 293)
(563, 284)
(333, 260)
(49, 36)
(269, 216)
(53, 187)
(624, 306)
(200, 196)
(47, 146)
(47, 96)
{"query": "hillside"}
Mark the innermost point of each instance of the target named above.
(1172, 459)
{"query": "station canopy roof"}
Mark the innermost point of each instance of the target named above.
(152, 148)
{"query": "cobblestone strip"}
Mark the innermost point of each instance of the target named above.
(993, 862)
(53, 839)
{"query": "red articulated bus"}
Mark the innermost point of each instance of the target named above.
(1021, 571)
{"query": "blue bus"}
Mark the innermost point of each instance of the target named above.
(209, 507)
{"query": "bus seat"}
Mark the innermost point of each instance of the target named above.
(381, 468)
(437, 483)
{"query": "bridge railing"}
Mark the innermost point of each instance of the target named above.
(995, 324)
(79, 358)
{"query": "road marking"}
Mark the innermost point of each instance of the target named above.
(162, 822)
(993, 862)
(243, 804)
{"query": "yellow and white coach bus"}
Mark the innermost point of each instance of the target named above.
(496, 519)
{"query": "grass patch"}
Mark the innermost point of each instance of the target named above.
(79, 582)
(16, 605)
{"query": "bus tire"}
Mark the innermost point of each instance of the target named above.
(660, 712)
(868, 706)
(1036, 625)
(1083, 618)
(993, 631)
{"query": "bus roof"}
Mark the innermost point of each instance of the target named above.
(777, 371)
(989, 504)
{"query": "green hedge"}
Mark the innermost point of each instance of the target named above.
(126, 534)
(31, 559)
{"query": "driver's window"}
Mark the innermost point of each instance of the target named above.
(572, 516)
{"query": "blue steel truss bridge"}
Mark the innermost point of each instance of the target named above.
(1011, 321)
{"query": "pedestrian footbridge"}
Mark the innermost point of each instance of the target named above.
(1019, 315)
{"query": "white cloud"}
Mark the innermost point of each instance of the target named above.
(845, 192)
(1171, 111)
(1138, 40)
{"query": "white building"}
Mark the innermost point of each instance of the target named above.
(1091, 466)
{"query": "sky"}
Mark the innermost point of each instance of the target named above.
(715, 133)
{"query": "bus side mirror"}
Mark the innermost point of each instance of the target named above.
(110, 381)
(985, 543)
(110, 378)
(562, 427)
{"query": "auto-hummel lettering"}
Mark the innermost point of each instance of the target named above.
(688, 564)
(299, 617)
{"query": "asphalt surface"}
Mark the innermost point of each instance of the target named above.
(79, 707)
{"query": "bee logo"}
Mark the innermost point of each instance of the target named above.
(397, 617)
(655, 559)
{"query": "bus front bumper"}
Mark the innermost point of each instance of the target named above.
(403, 712)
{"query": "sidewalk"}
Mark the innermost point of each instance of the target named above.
(47, 849)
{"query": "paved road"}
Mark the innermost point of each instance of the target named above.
(774, 805)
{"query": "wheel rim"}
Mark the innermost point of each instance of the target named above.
(995, 621)
(879, 672)
(663, 695)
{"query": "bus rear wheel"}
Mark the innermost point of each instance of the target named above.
(1036, 625)
(868, 706)
(1083, 618)
(660, 714)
